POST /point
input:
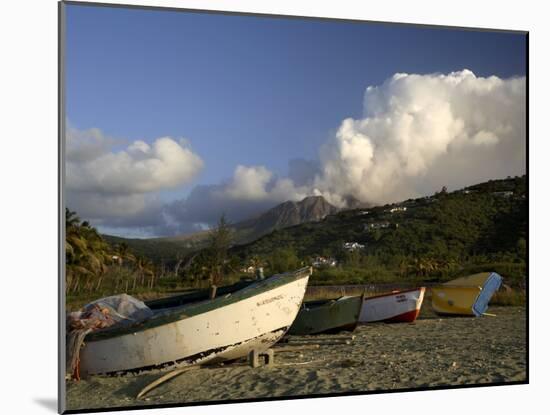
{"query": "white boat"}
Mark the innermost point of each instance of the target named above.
(224, 328)
(395, 307)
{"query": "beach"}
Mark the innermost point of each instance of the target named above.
(432, 352)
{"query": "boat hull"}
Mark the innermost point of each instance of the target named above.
(468, 296)
(220, 329)
(397, 307)
(327, 317)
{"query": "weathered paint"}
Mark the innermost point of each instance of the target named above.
(256, 317)
(401, 306)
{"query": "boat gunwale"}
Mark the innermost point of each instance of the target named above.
(491, 275)
(464, 281)
(457, 287)
(394, 293)
(201, 307)
(325, 301)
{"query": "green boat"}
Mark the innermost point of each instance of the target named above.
(327, 316)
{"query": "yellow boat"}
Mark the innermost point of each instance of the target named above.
(467, 295)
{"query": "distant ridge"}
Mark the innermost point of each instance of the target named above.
(289, 213)
(310, 209)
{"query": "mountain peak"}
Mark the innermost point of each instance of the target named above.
(289, 213)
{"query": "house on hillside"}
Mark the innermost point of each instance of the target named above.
(398, 209)
(352, 246)
(368, 227)
(504, 194)
(322, 261)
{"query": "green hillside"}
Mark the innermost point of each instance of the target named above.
(433, 237)
(159, 250)
(480, 228)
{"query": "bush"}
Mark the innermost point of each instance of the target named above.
(352, 275)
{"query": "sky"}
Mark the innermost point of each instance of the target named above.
(176, 117)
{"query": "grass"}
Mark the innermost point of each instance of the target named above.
(509, 298)
(354, 275)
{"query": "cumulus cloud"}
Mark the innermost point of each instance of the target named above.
(257, 183)
(249, 183)
(139, 168)
(419, 132)
(118, 187)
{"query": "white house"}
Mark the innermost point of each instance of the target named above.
(352, 246)
(398, 209)
(503, 194)
(375, 225)
(322, 261)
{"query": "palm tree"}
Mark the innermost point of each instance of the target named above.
(138, 270)
(87, 254)
(71, 218)
(122, 251)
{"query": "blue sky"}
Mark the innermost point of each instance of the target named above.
(249, 90)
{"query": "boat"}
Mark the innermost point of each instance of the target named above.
(466, 296)
(327, 316)
(396, 307)
(226, 327)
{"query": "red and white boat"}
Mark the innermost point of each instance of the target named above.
(395, 307)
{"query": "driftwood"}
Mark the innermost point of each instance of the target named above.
(302, 363)
(175, 372)
(295, 348)
(162, 379)
(329, 343)
(317, 339)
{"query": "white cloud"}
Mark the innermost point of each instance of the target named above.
(85, 145)
(119, 187)
(257, 183)
(249, 183)
(420, 132)
(92, 166)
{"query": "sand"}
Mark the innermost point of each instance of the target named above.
(431, 352)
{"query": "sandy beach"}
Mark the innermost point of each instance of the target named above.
(433, 351)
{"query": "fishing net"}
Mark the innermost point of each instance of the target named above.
(117, 310)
